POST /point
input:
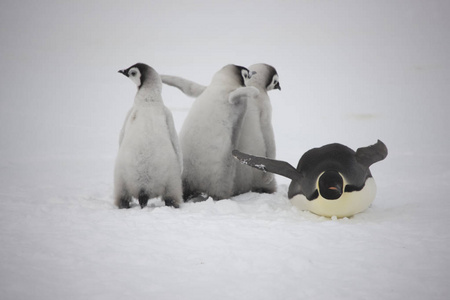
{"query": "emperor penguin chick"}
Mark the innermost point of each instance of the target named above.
(257, 135)
(211, 131)
(149, 161)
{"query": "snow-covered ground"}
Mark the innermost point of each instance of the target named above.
(350, 71)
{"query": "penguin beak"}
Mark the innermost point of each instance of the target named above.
(331, 185)
(277, 86)
(250, 74)
(123, 72)
(336, 189)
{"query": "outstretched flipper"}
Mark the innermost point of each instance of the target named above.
(367, 156)
(268, 165)
(188, 87)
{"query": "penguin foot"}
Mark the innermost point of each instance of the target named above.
(262, 190)
(123, 202)
(197, 197)
(143, 199)
(171, 202)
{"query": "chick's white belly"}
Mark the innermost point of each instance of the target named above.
(146, 156)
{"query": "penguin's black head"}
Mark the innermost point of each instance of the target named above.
(331, 185)
(273, 81)
(266, 77)
(137, 73)
(244, 74)
(274, 84)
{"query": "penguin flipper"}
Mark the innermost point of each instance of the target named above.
(268, 165)
(174, 137)
(242, 94)
(122, 131)
(369, 155)
(238, 100)
(189, 88)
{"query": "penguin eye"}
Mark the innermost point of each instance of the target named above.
(134, 72)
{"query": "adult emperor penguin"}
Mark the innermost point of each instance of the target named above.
(332, 180)
(256, 134)
(211, 131)
(149, 161)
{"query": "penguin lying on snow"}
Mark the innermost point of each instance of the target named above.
(149, 162)
(332, 180)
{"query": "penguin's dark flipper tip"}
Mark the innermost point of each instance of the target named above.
(371, 154)
(382, 148)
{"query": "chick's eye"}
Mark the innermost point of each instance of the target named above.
(133, 73)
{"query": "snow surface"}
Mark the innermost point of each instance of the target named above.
(351, 72)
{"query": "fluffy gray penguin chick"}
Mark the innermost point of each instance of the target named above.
(149, 161)
(211, 131)
(257, 135)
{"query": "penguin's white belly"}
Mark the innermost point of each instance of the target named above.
(146, 156)
(347, 205)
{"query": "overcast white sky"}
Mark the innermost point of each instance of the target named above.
(348, 58)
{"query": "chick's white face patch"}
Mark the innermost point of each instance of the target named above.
(246, 75)
(274, 84)
(135, 75)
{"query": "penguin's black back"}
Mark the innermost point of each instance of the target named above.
(335, 157)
